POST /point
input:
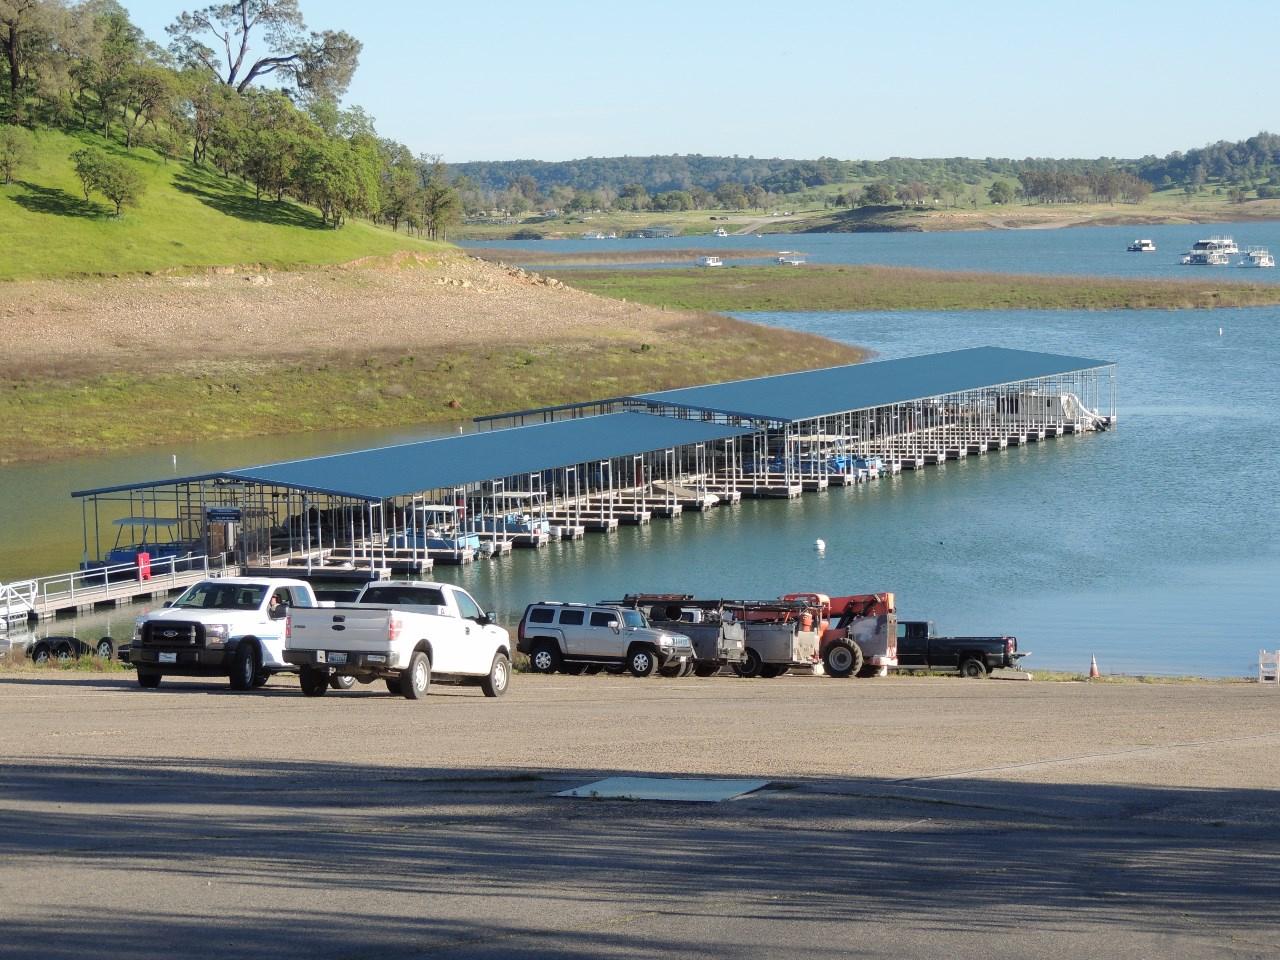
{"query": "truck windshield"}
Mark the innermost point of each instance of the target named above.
(408, 596)
(212, 595)
(633, 618)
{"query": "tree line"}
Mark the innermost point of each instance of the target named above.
(243, 87)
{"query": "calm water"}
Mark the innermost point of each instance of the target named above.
(1155, 547)
(1095, 251)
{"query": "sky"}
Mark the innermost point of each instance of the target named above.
(562, 79)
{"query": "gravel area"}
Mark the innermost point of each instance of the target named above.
(412, 301)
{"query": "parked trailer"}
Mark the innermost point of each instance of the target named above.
(718, 640)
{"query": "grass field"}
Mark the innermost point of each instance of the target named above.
(188, 217)
(900, 288)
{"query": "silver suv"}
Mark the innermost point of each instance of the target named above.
(583, 638)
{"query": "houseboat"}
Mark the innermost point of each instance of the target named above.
(1142, 246)
(1215, 245)
(1258, 257)
(710, 262)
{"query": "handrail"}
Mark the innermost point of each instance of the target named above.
(25, 595)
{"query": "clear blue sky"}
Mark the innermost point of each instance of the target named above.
(560, 79)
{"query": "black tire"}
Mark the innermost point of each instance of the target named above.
(545, 657)
(260, 679)
(337, 682)
(499, 678)
(313, 682)
(105, 648)
(65, 650)
(671, 670)
(393, 685)
(642, 662)
(842, 658)
(771, 670)
(40, 653)
(415, 679)
(244, 666)
(148, 679)
(706, 669)
(615, 669)
(973, 668)
(749, 666)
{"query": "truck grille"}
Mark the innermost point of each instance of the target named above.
(173, 633)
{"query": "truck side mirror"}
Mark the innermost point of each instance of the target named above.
(490, 616)
(615, 626)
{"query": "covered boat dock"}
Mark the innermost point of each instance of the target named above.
(525, 478)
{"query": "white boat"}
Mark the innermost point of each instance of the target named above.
(1215, 245)
(710, 262)
(1258, 257)
(793, 260)
(1201, 258)
(1142, 246)
(719, 232)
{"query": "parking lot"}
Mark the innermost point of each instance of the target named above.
(928, 817)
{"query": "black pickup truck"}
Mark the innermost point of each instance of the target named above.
(919, 649)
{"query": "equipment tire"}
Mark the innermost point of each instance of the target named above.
(415, 680)
(148, 680)
(771, 670)
(545, 658)
(843, 658)
(973, 668)
(642, 662)
(337, 682)
(706, 669)
(499, 678)
(749, 666)
(244, 666)
(313, 682)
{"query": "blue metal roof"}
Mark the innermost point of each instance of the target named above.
(859, 386)
(453, 461)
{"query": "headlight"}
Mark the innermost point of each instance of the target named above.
(215, 634)
(664, 641)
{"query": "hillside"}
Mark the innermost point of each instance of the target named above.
(188, 216)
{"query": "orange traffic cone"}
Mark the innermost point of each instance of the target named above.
(1093, 668)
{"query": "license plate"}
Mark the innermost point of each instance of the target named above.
(337, 657)
(319, 656)
(167, 658)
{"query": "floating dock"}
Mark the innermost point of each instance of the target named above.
(526, 478)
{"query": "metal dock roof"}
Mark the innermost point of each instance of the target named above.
(859, 386)
(407, 468)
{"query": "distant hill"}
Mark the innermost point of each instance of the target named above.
(188, 216)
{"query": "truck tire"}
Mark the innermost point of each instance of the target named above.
(415, 680)
(973, 668)
(40, 653)
(244, 666)
(341, 682)
(573, 669)
(545, 657)
(706, 669)
(615, 669)
(771, 670)
(313, 682)
(842, 658)
(105, 648)
(499, 678)
(393, 685)
(148, 680)
(749, 666)
(642, 662)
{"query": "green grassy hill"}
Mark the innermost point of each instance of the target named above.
(189, 216)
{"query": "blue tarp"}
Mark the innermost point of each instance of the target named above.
(859, 386)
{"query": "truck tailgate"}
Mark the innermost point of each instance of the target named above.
(340, 628)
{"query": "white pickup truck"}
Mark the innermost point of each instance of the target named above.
(404, 632)
(232, 627)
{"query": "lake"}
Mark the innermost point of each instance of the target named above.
(1091, 251)
(1155, 547)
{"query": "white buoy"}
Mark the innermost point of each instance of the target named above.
(1219, 331)
(175, 463)
(820, 545)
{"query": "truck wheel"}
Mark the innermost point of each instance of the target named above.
(40, 653)
(495, 684)
(105, 648)
(148, 680)
(415, 680)
(615, 669)
(244, 666)
(314, 683)
(545, 658)
(771, 670)
(260, 679)
(642, 663)
(973, 668)
(842, 658)
(706, 669)
(342, 683)
(393, 685)
(749, 666)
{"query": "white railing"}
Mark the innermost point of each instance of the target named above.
(109, 582)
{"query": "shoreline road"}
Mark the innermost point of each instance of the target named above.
(903, 817)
